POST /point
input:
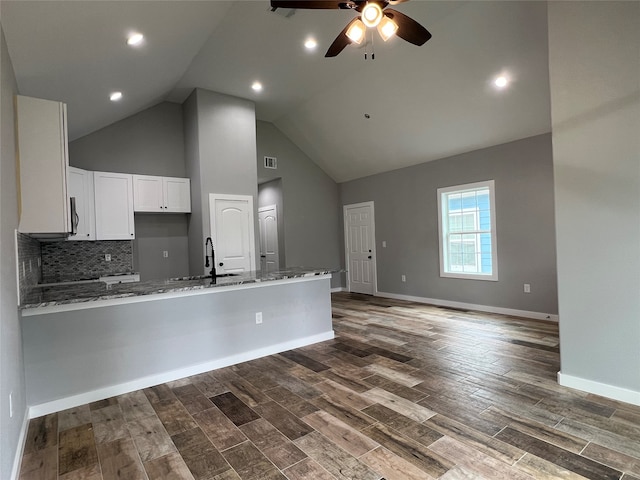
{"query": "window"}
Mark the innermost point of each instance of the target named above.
(467, 222)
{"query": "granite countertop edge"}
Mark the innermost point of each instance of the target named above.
(68, 294)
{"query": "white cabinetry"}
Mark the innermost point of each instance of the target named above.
(80, 187)
(41, 131)
(114, 206)
(161, 194)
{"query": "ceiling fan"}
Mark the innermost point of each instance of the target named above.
(373, 13)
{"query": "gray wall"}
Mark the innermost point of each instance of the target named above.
(155, 234)
(595, 93)
(149, 143)
(220, 159)
(406, 217)
(11, 360)
(311, 203)
(270, 193)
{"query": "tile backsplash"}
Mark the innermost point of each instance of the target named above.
(29, 257)
(75, 260)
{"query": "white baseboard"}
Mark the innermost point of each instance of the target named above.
(471, 306)
(22, 438)
(145, 382)
(602, 389)
(338, 289)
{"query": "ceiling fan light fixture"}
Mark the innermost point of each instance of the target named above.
(387, 28)
(372, 14)
(356, 31)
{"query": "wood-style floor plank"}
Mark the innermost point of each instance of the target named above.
(76, 449)
(575, 463)
(335, 460)
(405, 391)
(119, 459)
(150, 437)
(238, 412)
(344, 436)
(220, 430)
(42, 433)
(275, 446)
(201, 457)
(41, 464)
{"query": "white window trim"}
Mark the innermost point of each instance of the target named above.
(490, 184)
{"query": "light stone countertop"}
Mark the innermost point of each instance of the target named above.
(73, 293)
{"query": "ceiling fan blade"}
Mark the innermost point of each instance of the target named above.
(309, 4)
(341, 41)
(396, 2)
(408, 28)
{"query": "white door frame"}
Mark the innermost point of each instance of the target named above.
(373, 243)
(252, 239)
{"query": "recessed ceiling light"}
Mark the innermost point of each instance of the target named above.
(135, 39)
(115, 96)
(310, 43)
(501, 81)
(257, 86)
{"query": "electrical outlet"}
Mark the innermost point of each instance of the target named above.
(107, 257)
(24, 272)
(11, 405)
(404, 278)
(258, 318)
(384, 244)
(165, 253)
(527, 288)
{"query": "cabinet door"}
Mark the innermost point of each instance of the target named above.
(43, 160)
(114, 206)
(80, 186)
(177, 194)
(147, 194)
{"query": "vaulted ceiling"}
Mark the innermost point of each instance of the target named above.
(421, 103)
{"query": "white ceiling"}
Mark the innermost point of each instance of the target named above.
(424, 102)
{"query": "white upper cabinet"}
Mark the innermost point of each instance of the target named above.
(80, 187)
(177, 194)
(114, 206)
(147, 193)
(161, 194)
(41, 130)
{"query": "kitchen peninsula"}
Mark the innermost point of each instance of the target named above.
(87, 342)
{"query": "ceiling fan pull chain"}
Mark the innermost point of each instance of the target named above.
(373, 51)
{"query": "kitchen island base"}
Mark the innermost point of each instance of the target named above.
(83, 355)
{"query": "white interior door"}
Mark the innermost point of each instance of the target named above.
(232, 232)
(268, 224)
(360, 248)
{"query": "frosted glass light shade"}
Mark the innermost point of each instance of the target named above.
(387, 28)
(372, 14)
(356, 32)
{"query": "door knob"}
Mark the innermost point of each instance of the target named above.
(369, 257)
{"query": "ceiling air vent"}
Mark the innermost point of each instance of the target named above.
(271, 162)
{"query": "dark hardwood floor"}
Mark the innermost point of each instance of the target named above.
(405, 391)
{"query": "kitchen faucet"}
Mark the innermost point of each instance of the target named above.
(209, 243)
